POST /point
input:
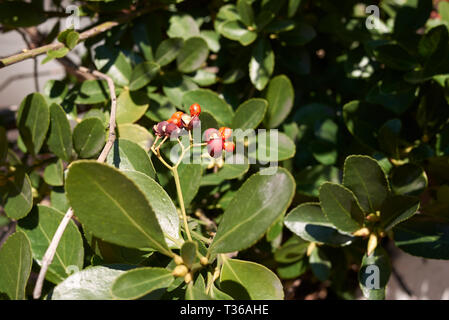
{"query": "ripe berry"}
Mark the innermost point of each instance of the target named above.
(211, 134)
(225, 132)
(229, 146)
(215, 147)
(172, 130)
(177, 115)
(195, 109)
(159, 129)
(176, 121)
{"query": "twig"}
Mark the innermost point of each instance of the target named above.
(35, 66)
(83, 36)
(50, 253)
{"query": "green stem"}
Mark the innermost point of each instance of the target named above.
(181, 201)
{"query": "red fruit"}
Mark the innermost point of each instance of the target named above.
(229, 146)
(211, 134)
(225, 132)
(195, 109)
(177, 115)
(215, 147)
(172, 130)
(176, 121)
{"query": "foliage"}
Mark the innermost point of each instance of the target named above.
(359, 114)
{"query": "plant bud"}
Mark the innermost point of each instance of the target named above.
(204, 261)
(188, 277)
(372, 244)
(215, 147)
(210, 134)
(363, 232)
(180, 271)
(310, 248)
(178, 260)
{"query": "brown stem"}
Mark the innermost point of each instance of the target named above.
(105, 26)
(50, 253)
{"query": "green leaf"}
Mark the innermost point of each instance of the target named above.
(72, 39)
(175, 85)
(443, 10)
(245, 11)
(161, 108)
(367, 180)
(55, 53)
(341, 207)
(396, 209)
(40, 226)
(292, 270)
(302, 34)
(93, 91)
(93, 283)
(205, 77)
(280, 96)
(311, 178)
(261, 65)
(249, 114)
(292, 250)
(310, 223)
(135, 133)
(114, 63)
(320, 264)
(211, 103)
(192, 55)
(259, 202)
(235, 168)
(55, 91)
(212, 38)
(273, 146)
(408, 179)
(293, 6)
(182, 26)
(194, 293)
(54, 173)
(58, 199)
(19, 198)
(190, 179)
(113, 207)
(136, 283)
(143, 74)
(235, 30)
(189, 253)
(15, 265)
(131, 106)
(218, 294)
(423, 237)
(60, 138)
(249, 281)
(89, 136)
(168, 50)
(128, 155)
(33, 120)
(161, 204)
(374, 274)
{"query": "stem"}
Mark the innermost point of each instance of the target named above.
(181, 201)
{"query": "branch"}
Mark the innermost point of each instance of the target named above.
(27, 54)
(50, 253)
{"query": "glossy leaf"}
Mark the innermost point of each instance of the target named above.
(194, 293)
(423, 237)
(128, 155)
(374, 274)
(60, 137)
(235, 30)
(161, 204)
(396, 209)
(182, 26)
(190, 178)
(261, 65)
(19, 198)
(320, 264)
(189, 253)
(168, 50)
(33, 120)
(53, 173)
(136, 283)
(249, 114)
(93, 91)
(15, 265)
(408, 179)
(131, 106)
(143, 74)
(89, 136)
(341, 207)
(249, 281)
(259, 202)
(40, 226)
(137, 134)
(273, 146)
(209, 102)
(280, 97)
(366, 179)
(93, 283)
(113, 207)
(192, 55)
(113, 63)
(310, 223)
(245, 11)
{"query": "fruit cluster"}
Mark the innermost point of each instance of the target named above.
(217, 141)
(179, 122)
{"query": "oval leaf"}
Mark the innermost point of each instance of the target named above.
(192, 55)
(250, 114)
(89, 137)
(60, 137)
(280, 96)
